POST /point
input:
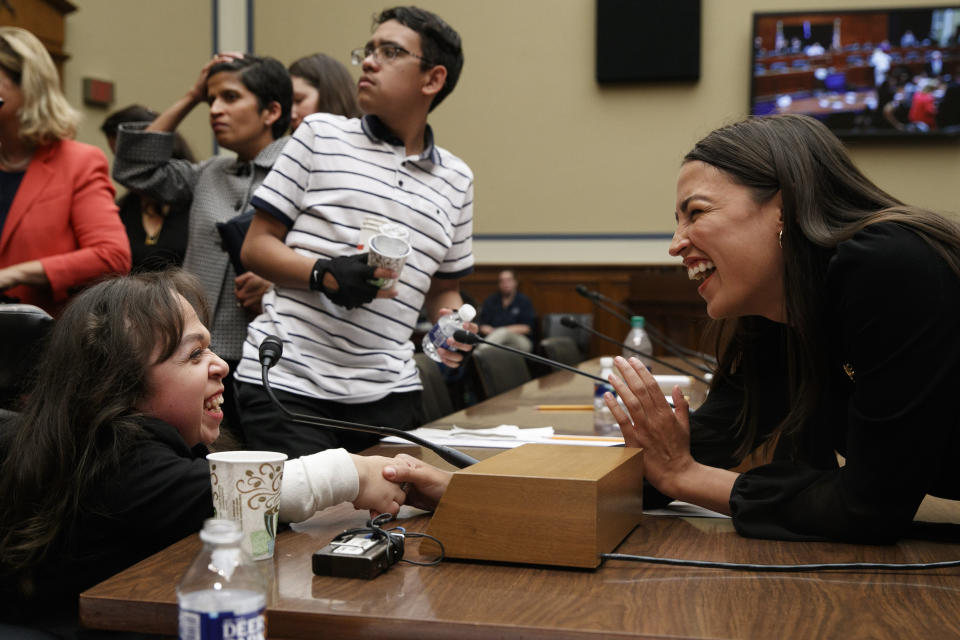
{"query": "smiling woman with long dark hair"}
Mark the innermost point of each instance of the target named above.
(840, 303)
(106, 463)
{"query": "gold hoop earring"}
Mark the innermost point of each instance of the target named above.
(780, 238)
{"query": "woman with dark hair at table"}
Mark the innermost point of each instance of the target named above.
(59, 228)
(839, 306)
(106, 463)
(321, 85)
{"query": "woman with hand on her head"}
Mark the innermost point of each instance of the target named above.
(59, 228)
(839, 306)
(321, 85)
(248, 102)
(106, 464)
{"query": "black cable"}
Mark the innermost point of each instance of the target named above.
(827, 566)
(396, 548)
(415, 534)
(394, 541)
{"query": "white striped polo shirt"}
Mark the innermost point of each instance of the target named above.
(334, 173)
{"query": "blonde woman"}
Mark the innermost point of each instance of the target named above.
(59, 228)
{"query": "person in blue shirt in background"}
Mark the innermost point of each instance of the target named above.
(507, 317)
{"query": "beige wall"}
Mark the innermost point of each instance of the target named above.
(151, 51)
(551, 150)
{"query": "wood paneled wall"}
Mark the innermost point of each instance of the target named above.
(662, 294)
(44, 19)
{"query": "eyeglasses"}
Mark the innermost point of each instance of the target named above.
(384, 53)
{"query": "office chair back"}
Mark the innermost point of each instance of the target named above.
(562, 349)
(552, 327)
(436, 395)
(498, 370)
(24, 328)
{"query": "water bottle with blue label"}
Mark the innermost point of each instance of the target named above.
(445, 328)
(603, 420)
(222, 594)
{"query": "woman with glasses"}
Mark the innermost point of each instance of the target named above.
(347, 347)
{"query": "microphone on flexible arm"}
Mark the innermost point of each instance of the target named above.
(572, 323)
(270, 351)
(655, 334)
(466, 337)
(595, 298)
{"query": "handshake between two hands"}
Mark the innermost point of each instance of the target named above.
(388, 483)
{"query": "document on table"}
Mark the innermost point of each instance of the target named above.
(505, 436)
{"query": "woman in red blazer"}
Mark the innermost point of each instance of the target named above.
(59, 227)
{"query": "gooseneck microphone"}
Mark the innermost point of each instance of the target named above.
(466, 337)
(599, 299)
(270, 351)
(596, 296)
(655, 335)
(571, 323)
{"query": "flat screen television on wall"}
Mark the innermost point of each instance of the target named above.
(864, 73)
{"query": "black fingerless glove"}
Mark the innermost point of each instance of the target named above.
(352, 274)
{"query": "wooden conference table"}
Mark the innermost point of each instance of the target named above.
(479, 600)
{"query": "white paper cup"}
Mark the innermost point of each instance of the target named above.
(369, 228)
(246, 489)
(389, 252)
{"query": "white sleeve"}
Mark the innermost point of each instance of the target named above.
(313, 483)
(284, 187)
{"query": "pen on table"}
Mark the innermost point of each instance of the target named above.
(564, 407)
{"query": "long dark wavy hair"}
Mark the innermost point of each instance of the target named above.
(80, 416)
(332, 81)
(826, 200)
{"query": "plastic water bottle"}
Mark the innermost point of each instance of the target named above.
(445, 328)
(603, 420)
(638, 340)
(222, 594)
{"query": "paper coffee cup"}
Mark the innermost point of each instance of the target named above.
(390, 252)
(369, 227)
(246, 489)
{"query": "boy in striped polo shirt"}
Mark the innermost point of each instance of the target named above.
(347, 349)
